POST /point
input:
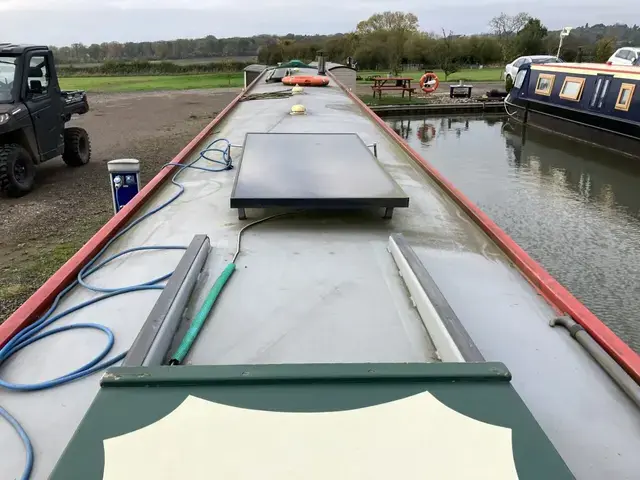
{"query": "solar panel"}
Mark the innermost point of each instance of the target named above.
(312, 171)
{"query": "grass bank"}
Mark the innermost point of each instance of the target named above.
(234, 79)
(466, 75)
(151, 83)
(33, 265)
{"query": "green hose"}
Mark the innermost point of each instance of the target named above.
(201, 317)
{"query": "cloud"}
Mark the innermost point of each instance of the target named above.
(62, 5)
(43, 21)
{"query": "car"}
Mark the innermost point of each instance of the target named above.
(625, 56)
(511, 70)
(33, 116)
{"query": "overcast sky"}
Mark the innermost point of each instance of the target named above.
(62, 22)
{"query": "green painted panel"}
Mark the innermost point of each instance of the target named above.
(132, 398)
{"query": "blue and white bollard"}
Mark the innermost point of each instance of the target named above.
(124, 174)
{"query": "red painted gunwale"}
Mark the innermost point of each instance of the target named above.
(38, 303)
(557, 295)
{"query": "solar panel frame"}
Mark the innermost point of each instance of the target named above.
(320, 170)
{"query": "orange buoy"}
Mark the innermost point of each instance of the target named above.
(429, 82)
(306, 80)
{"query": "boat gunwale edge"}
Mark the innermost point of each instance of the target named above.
(36, 304)
(550, 289)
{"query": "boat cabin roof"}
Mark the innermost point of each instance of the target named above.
(623, 71)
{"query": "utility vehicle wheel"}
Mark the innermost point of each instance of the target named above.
(77, 147)
(17, 171)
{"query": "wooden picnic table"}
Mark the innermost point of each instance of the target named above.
(381, 84)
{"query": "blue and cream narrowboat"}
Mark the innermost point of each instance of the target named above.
(596, 103)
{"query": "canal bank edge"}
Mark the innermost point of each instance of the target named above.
(435, 109)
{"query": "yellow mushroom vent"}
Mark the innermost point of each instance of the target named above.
(298, 110)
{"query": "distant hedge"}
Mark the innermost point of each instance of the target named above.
(114, 68)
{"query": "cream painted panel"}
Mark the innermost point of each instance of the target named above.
(412, 438)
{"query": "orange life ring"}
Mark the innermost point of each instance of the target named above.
(306, 80)
(429, 82)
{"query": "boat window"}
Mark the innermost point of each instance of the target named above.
(600, 91)
(545, 84)
(520, 78)
(572, 88)
(596, 93)
(624, 97)
(605, 90)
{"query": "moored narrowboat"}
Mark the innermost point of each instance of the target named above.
(596, 103)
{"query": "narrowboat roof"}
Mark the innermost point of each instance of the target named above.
(623, 71)
(255, 67)
(320, 287)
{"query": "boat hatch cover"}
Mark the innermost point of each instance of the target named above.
(314, 421)
(312, 171)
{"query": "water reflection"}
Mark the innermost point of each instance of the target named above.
(428, 129)
(426, 132)
(600, 176)
(402, 127)
(573, 207)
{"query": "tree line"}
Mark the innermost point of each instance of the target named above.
(144, 67)
(385, 41)
(200, 48)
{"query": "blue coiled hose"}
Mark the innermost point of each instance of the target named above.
(34, 332)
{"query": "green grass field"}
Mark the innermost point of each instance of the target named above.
(234, 79)
(467, 75)
(150, 83)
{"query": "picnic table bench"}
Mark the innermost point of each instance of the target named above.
(396, 84)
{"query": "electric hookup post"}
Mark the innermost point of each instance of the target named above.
(124, 175)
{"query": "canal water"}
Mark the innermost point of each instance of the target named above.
(572, 207)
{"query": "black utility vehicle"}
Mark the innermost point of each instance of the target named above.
(33, 114)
